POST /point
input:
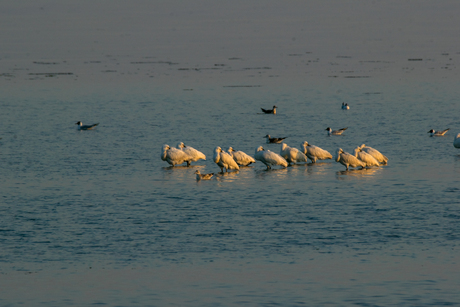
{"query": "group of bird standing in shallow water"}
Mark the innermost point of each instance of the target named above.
(363, 156)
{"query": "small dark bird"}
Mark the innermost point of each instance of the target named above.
(273, 140)
(85, 127)
(272, 111)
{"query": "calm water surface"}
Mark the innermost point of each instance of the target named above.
(95, 217)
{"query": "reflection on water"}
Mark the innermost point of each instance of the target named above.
(358, 173)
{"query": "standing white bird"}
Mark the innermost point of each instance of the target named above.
(271, 111)
(85, 127)
(335, 132)
(173, 155)
(224, 160)
(345, 106)
(200, 176)
(457, 141)
(292, 155)
(365, 157)
(314, 152)
(241, 158)
(348, 160)
(192, 152)
(375, 153)
(273, 140)
(269, 158)
(438, 133)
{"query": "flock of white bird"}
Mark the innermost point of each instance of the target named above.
(362, 157)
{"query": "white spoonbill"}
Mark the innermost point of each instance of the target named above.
(200, 176)
(292, 155)
(174, 156)
(335, 132)
(192, 152)
(241, 158)
(269, 158)
(314, 152)
(85, 127)
(273, 140)
(365, 157)
(348, 160)
(224, 160)
(438, 133)
(375, 153)
(457, 141)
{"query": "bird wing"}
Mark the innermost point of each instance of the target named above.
(195, 154)
(274, 159)
(228, 160)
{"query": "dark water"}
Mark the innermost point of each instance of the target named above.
(95, 217)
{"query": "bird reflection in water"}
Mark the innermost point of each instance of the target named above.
(360, 173)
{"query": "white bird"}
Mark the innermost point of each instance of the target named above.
(271, 111)
(174, 156)
(85, 127)
(345, 106)
(457, 141)
(348, 160)
(224, 160)
(314, 152)
(200, 176)
(365, 157)
(192, 152)
(241, 158)
(375, 153)
(273, 140)
(438, 133)
(292, 155)
(335, 132)
(269, 158)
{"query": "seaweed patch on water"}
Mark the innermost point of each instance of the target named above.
(45, 63)
(155, 62)
(415, 59)
(51, 74)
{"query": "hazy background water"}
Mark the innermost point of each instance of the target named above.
(95, 217)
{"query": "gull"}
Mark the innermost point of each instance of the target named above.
(314, 152)
(85, 127)
(240, 157)
(457, 141)
(200, 176)
(348, 160)
(368, 159)
(375, 153)
(174, 156)
(272, 111)
(335, 132)
(292, 155)
(273, 140)
(438, 133)
(269, 158)
(224, 160)
(345, 106)
(192, 152)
